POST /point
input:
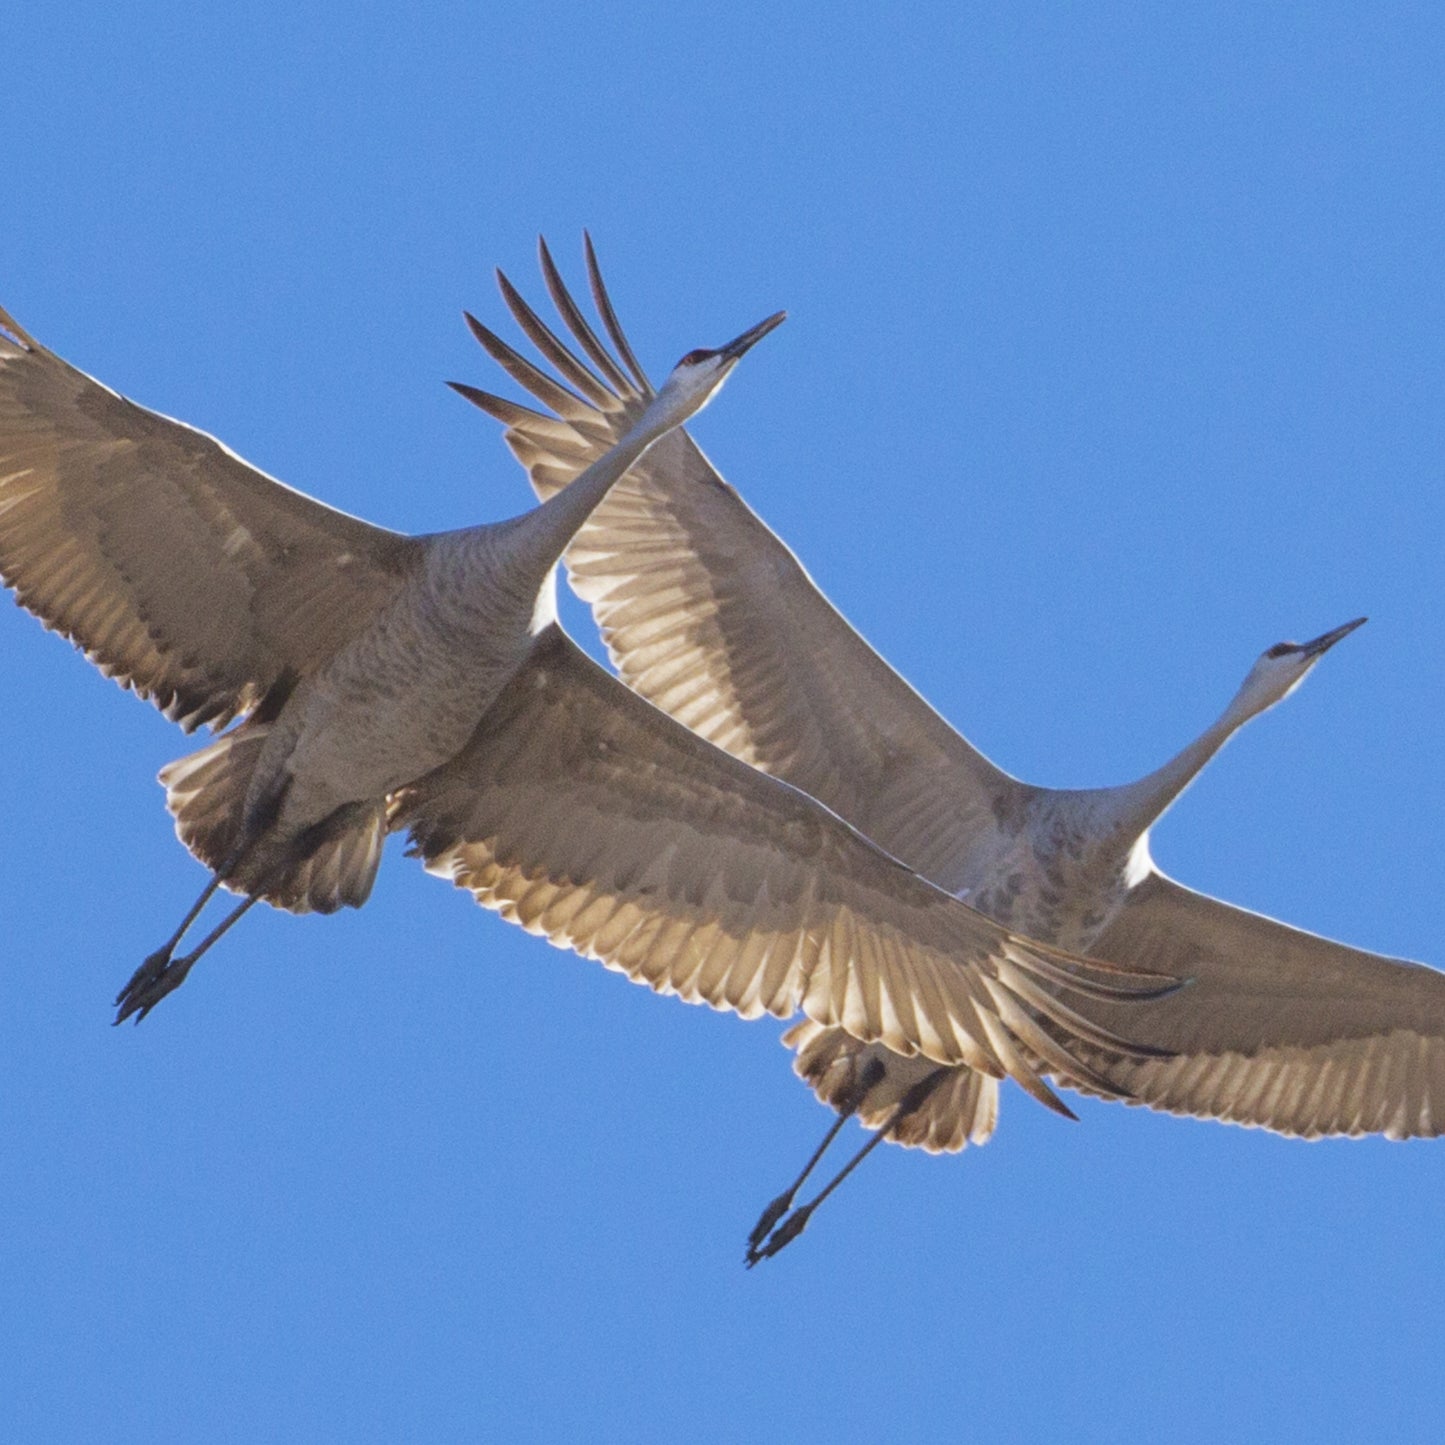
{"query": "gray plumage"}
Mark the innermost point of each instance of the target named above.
(389, 682)
(709, 616)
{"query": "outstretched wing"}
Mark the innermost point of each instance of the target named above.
(1279, 1028)
(709, 616)
(585, 814)
(182, 572)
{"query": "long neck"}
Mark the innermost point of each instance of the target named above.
(1139, 805)
(541, 536)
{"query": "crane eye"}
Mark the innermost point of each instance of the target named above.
(1281, 649)
(694, 357)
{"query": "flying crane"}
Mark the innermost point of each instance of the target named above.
(707, 614)
(387, 682)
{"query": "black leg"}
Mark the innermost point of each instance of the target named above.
(797, 1221)
(151, 983)
(157, 962)
(871, 1074)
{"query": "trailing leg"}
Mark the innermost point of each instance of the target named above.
(150, 984)
(870, 1075)
(797, 1221)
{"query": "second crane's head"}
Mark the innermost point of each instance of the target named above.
(697, 377)
(1283, 667)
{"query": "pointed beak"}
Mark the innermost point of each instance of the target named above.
(734, 349)
(1322, 645)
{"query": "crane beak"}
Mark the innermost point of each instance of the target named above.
(1322, 645)
(750, 338)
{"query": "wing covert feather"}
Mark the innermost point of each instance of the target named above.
(181, 571)
(587, 815)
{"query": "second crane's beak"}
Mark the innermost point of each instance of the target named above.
(734, 349)
(1322, 645)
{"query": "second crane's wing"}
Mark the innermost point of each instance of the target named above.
(709, 616)
(1279, 1028)
(585, 814)
(180, 570)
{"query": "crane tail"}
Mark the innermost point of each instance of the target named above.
(329, 866)
(963, 1110)
(206, 792)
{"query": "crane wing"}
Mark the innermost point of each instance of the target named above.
(1279, 1028)
(183, 572)
(708, 615)
(585, 814)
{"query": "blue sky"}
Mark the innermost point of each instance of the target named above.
(1115, 356)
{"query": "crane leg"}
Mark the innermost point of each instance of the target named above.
(797, 1221)
(156, 963)
(871, 1074)
(160, 974)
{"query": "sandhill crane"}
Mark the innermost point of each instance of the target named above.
(386, 681)
(707, 614)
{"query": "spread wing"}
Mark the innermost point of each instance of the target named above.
(181, 571)
(1279, 1028)
(709, 616)
(585, 814)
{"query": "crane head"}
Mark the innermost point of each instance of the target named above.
(1281, 668)
(697, 377)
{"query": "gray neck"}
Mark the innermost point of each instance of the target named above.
(538, 539)
(1138, 806)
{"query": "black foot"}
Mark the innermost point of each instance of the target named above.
(764, 1227)
(150, 983)
(148, 972)
(783, 1236)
